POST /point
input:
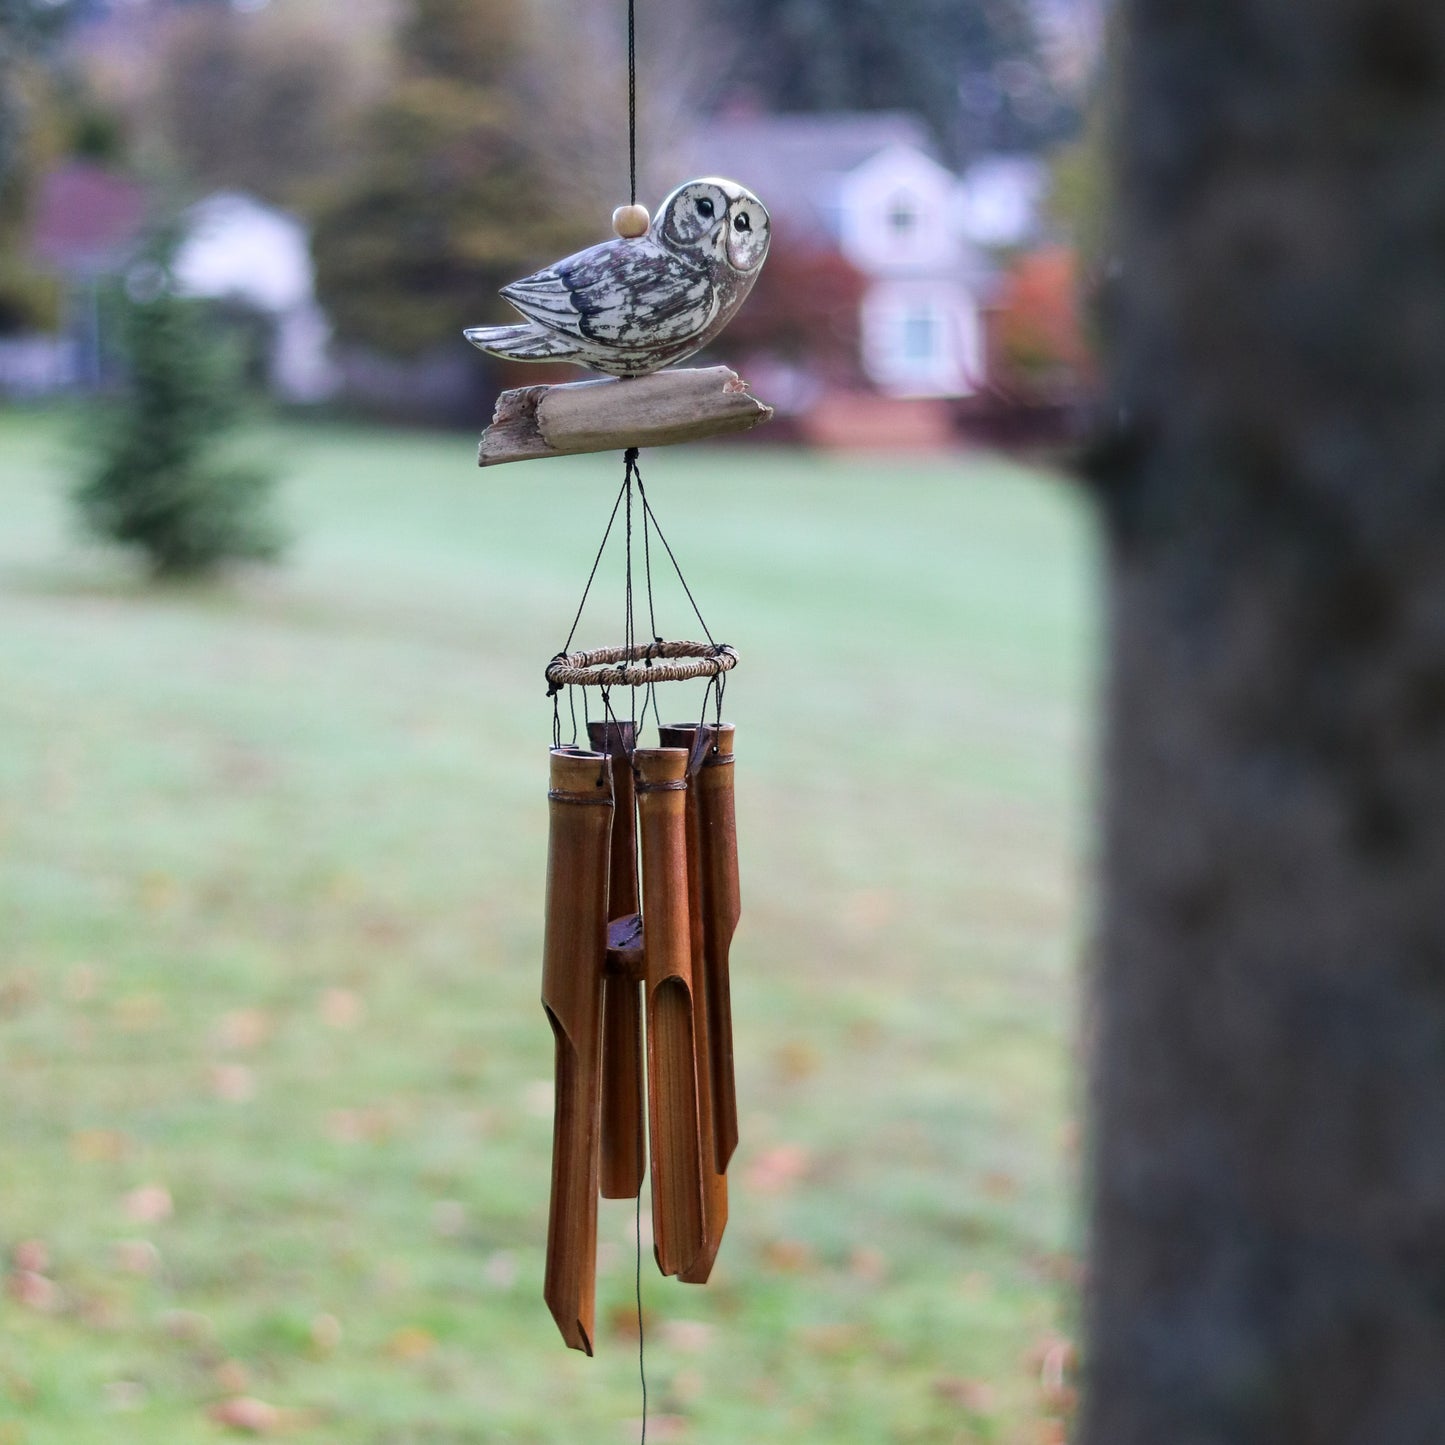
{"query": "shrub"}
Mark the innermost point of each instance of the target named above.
(161, 480)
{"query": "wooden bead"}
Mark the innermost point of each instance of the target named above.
(630, 222)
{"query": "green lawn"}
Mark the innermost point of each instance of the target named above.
(271, 864)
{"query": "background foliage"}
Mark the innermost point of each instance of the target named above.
(162, 480)
(450, 196)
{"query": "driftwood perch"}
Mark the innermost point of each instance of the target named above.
(613, 414)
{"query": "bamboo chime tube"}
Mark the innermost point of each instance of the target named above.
(710, 794)
(623, 1143)
(707, 1022)
(574, 953)
(672, 1092)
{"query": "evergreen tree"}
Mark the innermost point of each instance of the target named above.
(452, 196)
(161, 481)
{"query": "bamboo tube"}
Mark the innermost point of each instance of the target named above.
(624, 1144)
(722, 907)
(672, 1093)
(720, 872)
(715, 1187)
(574, 950)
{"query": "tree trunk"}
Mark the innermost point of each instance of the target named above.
(1268, 1161)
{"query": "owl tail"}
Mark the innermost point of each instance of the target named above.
(525, 342)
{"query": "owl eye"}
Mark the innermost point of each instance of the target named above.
(705, 209)
(742, 223)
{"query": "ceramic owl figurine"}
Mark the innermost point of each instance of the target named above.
(632, 306)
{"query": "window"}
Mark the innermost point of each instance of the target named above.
(902, 216)
(919, 336)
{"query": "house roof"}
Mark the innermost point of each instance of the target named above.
(796, 163)
(86, 219)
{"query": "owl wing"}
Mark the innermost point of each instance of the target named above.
(621, 293)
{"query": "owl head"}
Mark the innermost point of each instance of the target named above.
(716, 219)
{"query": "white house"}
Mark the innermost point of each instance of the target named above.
(240, 248)
(870, 185)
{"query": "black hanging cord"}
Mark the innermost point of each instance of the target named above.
(596, 562)
(641, 1363)
(662, 537)
(632, 99)
(629, 471)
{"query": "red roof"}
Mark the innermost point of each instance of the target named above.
(85, 219)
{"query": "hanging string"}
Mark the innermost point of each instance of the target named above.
(641, 1362)
(662, 537)
(596, 562)
(632, 100)
(629, 470)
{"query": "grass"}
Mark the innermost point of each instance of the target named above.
(270, 903)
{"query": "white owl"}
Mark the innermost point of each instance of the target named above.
(628, 307)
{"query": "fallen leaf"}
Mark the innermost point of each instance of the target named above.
(779, 1169)
(372, 1125)
(135, 1256)
(186, 1325)
(1056, 1370)
(868, 1264)
(139, 1013)
(539, 1098)
(325, 1333)
(973, 1395)
(787, 1256)
(32, 1255)
(243, 1029)
(687, 1337)
(233, 1083)
(233, 1377)
(660, 1428)
(500, 1270)
(158, 892)
(100, 1312)
(975, 1285)
(98, 1146)
(18, 992)
(449, 1218)
(341, 1008)
(27, 1287)
(411, 1343)
(871, 908)
(622, 1321)
(246, 1414)
(81, 982)
(999, 1185)
(125, 1395)
(830, 1340)
(150, 1204)
(687, 1387)
(796, 1061)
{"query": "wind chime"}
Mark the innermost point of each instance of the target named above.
(642, 875)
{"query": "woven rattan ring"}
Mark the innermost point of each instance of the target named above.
(639, 665)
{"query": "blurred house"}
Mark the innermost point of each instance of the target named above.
(241, 251)
(869, 188)
(86, 223)
(88, 226)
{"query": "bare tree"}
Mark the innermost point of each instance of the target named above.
(575, 83)
(1268, 1175)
